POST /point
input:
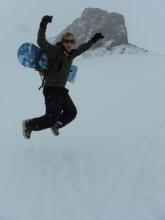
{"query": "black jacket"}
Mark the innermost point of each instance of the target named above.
(59, 61)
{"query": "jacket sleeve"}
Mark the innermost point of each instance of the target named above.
(43, 43)
(82, 48)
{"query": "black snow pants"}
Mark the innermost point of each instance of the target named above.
(59, 107)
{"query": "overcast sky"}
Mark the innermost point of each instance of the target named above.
(19, 20)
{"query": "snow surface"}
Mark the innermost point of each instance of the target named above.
(108, 164)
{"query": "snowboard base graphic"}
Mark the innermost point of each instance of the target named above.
(31, 56)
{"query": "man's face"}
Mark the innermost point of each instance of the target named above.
(69, 43)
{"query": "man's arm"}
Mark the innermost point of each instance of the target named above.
(84, 47)
(41, 39)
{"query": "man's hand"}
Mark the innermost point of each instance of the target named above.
(45, 20)
(97, 37)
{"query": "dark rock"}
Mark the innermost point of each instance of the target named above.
(93, 20)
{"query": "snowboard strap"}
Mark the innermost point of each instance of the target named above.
(42, 72)
(43, 81)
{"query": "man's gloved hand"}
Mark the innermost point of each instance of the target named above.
(45, 20)
(97, 37)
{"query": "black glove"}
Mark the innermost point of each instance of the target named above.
(45, 20)
(97, 37)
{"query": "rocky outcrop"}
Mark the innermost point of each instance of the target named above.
(92, 20)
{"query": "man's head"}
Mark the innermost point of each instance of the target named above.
(68, 41)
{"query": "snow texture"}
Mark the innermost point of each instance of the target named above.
(108, 164)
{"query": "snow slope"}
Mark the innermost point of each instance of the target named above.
(108, 164)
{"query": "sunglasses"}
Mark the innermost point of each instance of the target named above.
(69, 41)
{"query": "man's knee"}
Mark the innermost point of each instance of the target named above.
(74, 113)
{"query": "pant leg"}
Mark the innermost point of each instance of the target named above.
(69, 111)
(53, 102)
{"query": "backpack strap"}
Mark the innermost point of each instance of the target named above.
(43, 80)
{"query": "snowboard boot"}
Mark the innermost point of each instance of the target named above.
(26, 129)
(55, 128)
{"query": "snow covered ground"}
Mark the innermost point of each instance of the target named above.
(108, 164)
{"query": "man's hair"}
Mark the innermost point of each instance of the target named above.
(65, 35)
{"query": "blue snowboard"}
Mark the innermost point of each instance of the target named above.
(31, 56)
